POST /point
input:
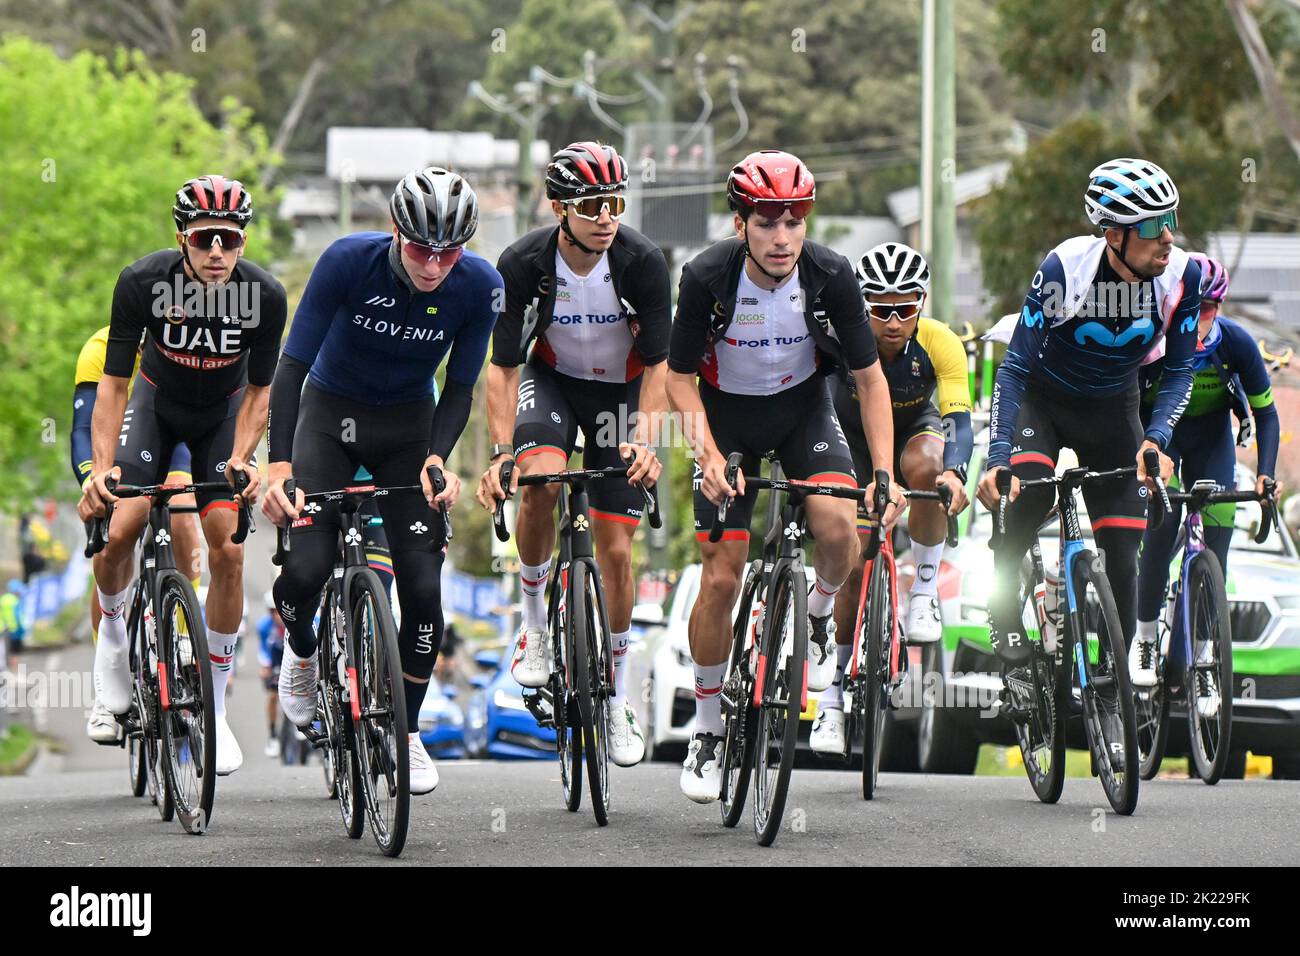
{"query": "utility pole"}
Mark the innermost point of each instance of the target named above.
(533, 104)
(938, 155)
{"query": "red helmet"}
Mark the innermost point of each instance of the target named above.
(212, 196)
(585, 169)
(771, 178)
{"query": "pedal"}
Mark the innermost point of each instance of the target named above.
(542, 706)
(319, 739)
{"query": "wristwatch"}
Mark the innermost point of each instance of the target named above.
(960, 472)
(500, 449)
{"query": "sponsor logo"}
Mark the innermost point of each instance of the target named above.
(424, 639)
(749, 318)
(221, 466)
(748, 300)
(145, 455)
(526, 399)
(555, 417)
(381, 301)
(395, 330)
(1028, 432)
(419, 527)
(820, 446)
(591, 318)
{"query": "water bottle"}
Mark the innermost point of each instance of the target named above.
(1052, 610)
(756, 615)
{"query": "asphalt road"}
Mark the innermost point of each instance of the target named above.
(74, 809)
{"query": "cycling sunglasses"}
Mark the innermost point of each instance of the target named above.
(1153, 227)
(775, 210)
(441, 257)
(225, 236)
(590, 207)
(886, 312)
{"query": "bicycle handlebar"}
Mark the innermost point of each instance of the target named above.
(97, 528)
(648, 495)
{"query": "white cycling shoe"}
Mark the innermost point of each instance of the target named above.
(229, 757)
(531, 666)
(298, 677)
(1142, 663)
(102, 727)
(924, 624)
(702, 771)
(112, 678)
(827, 735)
(626, 741)
(424, 773)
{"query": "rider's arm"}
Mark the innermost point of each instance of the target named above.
(509, 346)
(651, 331)
(125, 328)
(952, 392)
(502, 398)
(83, 408)
(687, 344)
(311, 322)
(848, 316)
(1259, 394)
(468, 351)
(1022, 356)
(1180, 345)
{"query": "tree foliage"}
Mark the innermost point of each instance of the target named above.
(92, 155)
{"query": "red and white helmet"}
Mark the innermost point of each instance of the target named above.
(771, 178)
(212, 197)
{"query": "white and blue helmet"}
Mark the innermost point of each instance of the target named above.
(1124, 191)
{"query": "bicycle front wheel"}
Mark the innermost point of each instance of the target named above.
(1109, 718)
(381, 734)
(1151, 707)
(780, 698)
(186, 714)
(591, 672)
(873, 668)
(1209, 684)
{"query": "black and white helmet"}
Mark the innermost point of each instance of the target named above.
(892, 267)
(436, 207)
(1124, 191)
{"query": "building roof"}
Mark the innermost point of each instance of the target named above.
(905, 204)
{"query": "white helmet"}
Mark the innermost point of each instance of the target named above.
(892, 267)
(1124, 191)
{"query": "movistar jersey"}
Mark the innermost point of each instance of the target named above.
(370, 339)
(1244, 367)
(1086, 338)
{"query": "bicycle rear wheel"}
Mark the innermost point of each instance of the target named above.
(1209, 735)
(185, 687)
(591, 681)
(873, 671)
(739, 716)
(381, 734)
(1042, 737)
(156, 783)
(1151, 707)
(1109, 719)
(780, 690)
(136, 761)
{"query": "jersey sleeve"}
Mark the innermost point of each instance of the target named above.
(83, 410)
(848, 317)
(90, 360)
(508, 345)
(471, 343)
(1259, 395)
(326, 290)
(264, 350)
(1022, 356)
(1175, 387)
(690, 332)
(654, 318)
(952, 393)
(126, 325)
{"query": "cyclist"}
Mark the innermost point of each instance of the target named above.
(921, 358)
(592, 297)
(355, 389)
(1096, 306)
(102, 727)
(214, 321)
(755, 317)
(1229, 378)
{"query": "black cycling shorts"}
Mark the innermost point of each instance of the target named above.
(551, 409)
(799, 425)
(923, 421)
(154, 425)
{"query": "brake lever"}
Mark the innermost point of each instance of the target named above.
(499, 515)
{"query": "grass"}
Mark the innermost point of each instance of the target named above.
(997, 761)
(59, 629)
(17, 746)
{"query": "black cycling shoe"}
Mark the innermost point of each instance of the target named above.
(1017, 695)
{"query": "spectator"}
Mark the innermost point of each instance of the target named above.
(11, 623)
(446, 664)
(270, 652)
(33, 560)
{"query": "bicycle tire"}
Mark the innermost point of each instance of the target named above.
(741, 718)
(873, 670)
(1209, 743)
(136, 760)
(1109, 688)
(189, 730)
(778, 719)
(568, 729)
(1041, 739)
(385, 774)
(157, 785)
(591, 634)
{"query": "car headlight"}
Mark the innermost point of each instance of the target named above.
(507, 701)
(683, 655)
(1290, 636)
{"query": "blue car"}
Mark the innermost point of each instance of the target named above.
(442, 724)
(498, 725)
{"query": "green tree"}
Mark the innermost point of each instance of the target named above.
(92, 155)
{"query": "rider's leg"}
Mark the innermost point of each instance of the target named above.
(225, 606)
(709, 627)
(114, 568)
(613, 534)
(921, 464)
(1156, 550)
(535, 532)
